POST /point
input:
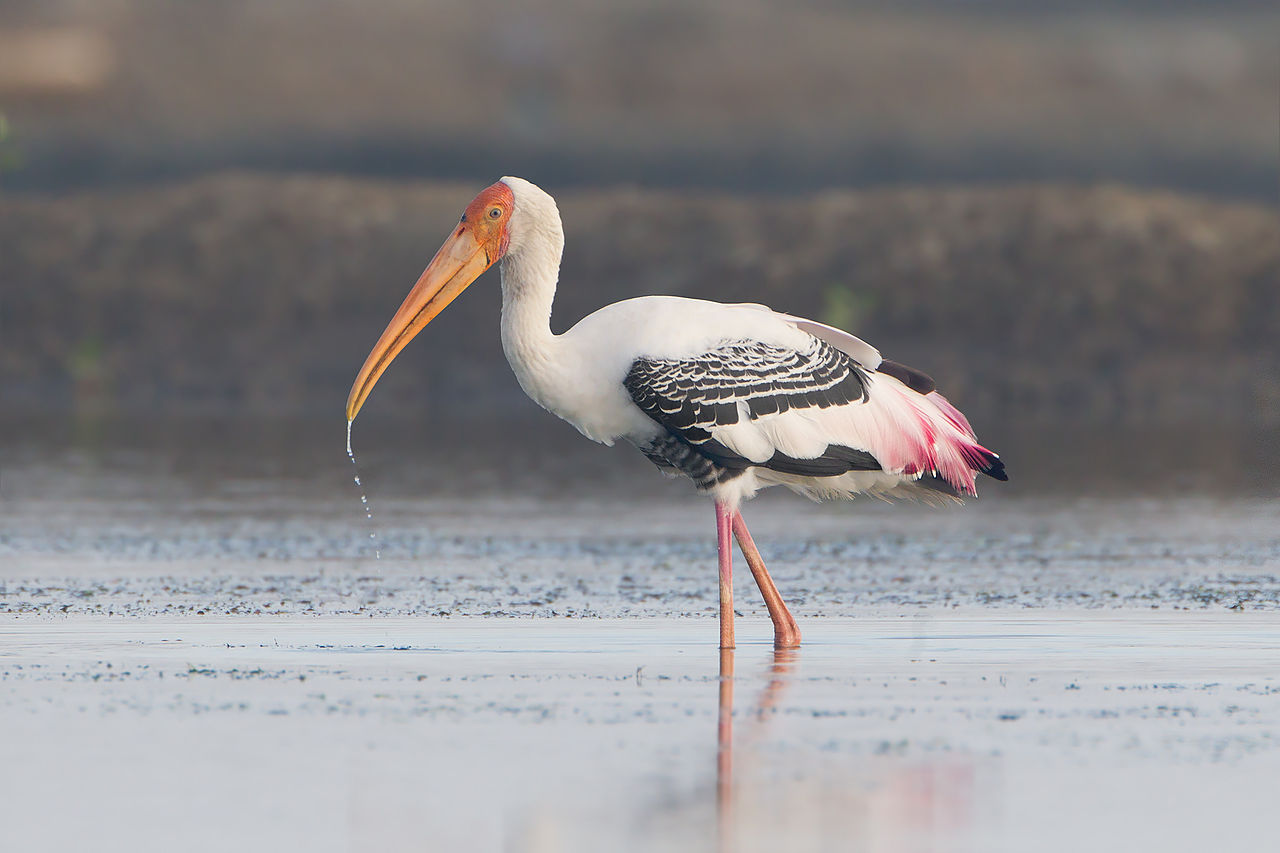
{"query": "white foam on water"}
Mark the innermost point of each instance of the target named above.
(364, 498)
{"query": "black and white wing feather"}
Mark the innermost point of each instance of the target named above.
(700, 400)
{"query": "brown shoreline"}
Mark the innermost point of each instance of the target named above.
(1034, 303)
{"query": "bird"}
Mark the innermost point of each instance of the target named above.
(733, 397)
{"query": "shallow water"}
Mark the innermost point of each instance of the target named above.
(198, 651)
(940, 730)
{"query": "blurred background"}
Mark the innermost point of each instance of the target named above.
(1067, 214)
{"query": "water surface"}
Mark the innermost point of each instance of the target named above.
(199, 650)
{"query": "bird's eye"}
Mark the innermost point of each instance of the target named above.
(494, 213)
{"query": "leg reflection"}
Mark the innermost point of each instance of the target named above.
(724, 754)
(784, 660)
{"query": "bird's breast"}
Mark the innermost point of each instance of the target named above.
(582, 386)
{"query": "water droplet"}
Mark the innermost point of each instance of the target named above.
(364, 498)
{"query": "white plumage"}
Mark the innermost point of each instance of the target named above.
(579, 376)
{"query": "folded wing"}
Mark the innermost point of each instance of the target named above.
(813, 411)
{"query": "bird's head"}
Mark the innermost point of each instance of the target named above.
(480, 238)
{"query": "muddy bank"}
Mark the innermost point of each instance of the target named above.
(264, 294)
(266, 529)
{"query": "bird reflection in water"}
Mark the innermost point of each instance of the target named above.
(882, 803)
(784, 660)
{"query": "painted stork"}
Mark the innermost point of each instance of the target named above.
(734, 397)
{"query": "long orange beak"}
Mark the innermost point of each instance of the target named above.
(458, 263)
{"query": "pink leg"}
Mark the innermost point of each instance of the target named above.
(786, 634)
(724, 524)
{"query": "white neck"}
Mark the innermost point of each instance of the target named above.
(530, 270)
(527, 293)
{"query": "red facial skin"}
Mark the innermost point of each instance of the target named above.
(492, 232)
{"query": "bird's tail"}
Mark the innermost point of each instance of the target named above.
(975, 457)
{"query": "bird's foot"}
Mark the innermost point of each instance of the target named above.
(786, 637)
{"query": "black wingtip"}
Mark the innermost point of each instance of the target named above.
(995, 469)
(916, 380)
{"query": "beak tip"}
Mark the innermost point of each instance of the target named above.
(354, 402)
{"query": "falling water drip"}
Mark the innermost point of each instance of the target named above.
(364, 498)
